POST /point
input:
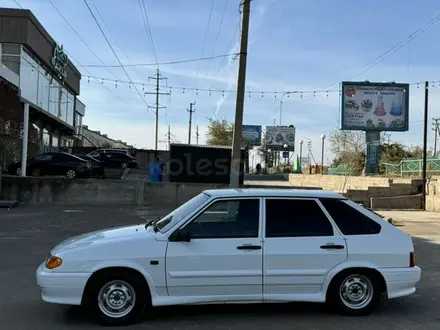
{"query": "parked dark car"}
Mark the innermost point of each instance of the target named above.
(54, 163)
(95, 165)
(118, 160)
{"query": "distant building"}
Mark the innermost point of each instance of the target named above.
(91, 138)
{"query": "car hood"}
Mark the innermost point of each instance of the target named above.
(100, 237)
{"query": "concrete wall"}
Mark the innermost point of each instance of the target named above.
(342, 184)
(63, 191)
(412, 202)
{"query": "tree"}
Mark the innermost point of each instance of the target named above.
(220, 132)
(352, 141)
(349, 148)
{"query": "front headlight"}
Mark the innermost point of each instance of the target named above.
(53, 262)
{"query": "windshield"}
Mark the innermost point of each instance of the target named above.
(181, 212)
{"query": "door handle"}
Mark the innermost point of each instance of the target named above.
(249, 247)
(332, 247)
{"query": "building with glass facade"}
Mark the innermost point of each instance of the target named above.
(35, 71)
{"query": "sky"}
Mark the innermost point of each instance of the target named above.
(300, 45)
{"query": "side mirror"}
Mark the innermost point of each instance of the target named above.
(181, 235)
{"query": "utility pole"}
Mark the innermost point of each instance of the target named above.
(169, 137)
(157, 106)
(197, 134)
(436, 133)
(239, 103)
(191, 111)
(425, 145)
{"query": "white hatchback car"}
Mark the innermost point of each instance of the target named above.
(235, 246)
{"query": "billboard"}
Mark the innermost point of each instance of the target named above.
(371, 106)
(251, 135)
(278, 136)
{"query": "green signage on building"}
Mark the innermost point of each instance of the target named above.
(59, 61)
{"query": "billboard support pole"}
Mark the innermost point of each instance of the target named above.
(425, 145)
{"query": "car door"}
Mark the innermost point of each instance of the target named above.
(223, 260)
(59, 164)
(301, 245)
(40, 164)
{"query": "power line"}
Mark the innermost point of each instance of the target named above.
(217, 37)
(148, 28)
(204, 42)
(228, 48)
(161, 63)
(83, 41)
(111, 47)
(114, 39)
(18, 4)
(391, 50)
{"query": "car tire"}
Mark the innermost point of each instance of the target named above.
(117, 298)
(18, 171)
(71, 174)
(124, 165)
(355, 292)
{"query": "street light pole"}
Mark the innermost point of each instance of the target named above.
(322, 153)
(300, 155)
(281, 105)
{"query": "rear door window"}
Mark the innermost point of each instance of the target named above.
(296, 218)
(349, 220)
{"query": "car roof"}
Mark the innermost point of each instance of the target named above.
(61, 153)
(250, 192)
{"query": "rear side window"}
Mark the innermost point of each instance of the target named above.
(349, 220)
(296, 218)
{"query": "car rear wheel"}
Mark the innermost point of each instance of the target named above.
(71, 174)
(18, 171)
(355, 293)
(117, 298)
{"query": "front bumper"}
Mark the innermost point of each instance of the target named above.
(61, 288)
(401, 281)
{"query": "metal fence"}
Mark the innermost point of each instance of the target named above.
(413, 167)
(342, 169)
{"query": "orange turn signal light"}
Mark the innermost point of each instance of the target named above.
(53, 262)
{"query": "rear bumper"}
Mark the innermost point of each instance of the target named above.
(401, 281)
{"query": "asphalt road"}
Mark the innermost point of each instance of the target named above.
(28, 233)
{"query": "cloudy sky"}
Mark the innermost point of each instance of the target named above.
(293, 45)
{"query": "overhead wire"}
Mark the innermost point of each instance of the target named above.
(390, 50)
(160, 63)
(147, 26)
(217, 37)
(80, 38)
(204, 41)
(78, 63)
(114, 53)
(111, 35)
(237, 28)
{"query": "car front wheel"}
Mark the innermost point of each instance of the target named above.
(117, 299)
(355, 293)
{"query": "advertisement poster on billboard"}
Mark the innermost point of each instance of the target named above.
(374, 106)
(280, 138)
(251, 135)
